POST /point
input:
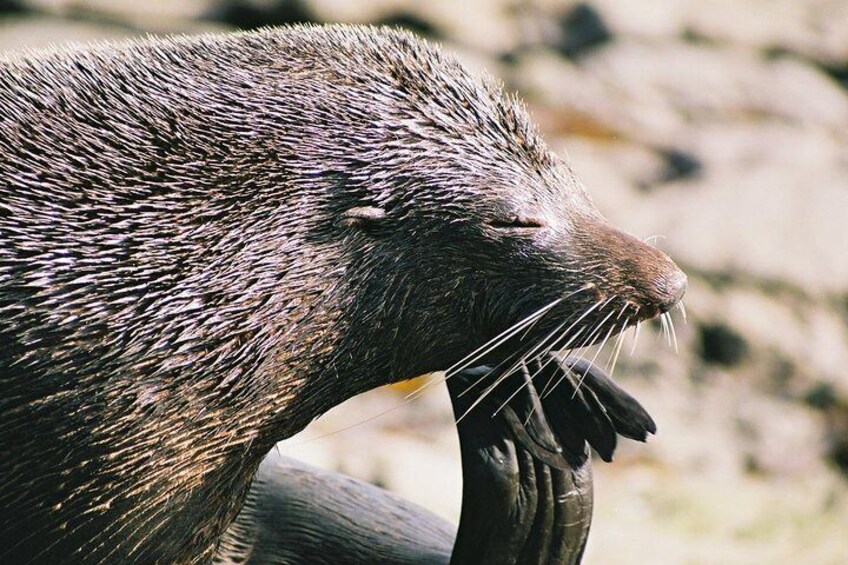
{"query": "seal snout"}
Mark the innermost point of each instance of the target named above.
(636, 272)
(659, 284)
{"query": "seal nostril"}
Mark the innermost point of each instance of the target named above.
(676, 287)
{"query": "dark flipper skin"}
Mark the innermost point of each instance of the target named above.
(514, 476)
(296, 513)
(527, 482)
(629, 418)
(527, 479)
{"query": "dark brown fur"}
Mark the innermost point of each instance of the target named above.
(207, 242)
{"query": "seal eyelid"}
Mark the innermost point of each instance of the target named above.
(362, 216)
(518, 222)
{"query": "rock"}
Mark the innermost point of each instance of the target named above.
(706, 83)
(606, 102)
(33, 32)
(248, 14)
(711, 224)
(721, 345)
(484, 24)
(581, 30)
(160, 16)
(814, 29)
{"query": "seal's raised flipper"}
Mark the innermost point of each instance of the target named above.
(527, 490)
(527, 481)
(630, 418)
(591, 404)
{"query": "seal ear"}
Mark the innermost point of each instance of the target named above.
(362, 217)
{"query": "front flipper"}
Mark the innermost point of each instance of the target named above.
(527, 481)
(630, 419)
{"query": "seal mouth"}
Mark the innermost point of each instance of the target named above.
(587, 317)
(610, 315)
(562, 338)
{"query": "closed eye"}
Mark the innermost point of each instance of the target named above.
(518, 222)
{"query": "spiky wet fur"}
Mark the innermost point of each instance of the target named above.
(183, 281)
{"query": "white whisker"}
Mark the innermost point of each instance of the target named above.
(636, 336)
(487, 347)
(503, 336)
(551, 386)
(619, 341)
(673, 333)
(598, 352)
(518, 363)
(578, 320)
(505, 375)
(564, 354)
(523, 358)
(569, 295)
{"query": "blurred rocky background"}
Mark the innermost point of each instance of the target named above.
(720, 126)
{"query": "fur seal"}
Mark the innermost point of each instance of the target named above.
(207, 242)
(527, 488)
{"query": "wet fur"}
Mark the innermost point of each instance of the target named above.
(183, 283)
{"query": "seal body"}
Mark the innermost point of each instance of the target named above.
(207, 242)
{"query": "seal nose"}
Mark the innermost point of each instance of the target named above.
(636, 271)
(674, 287)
